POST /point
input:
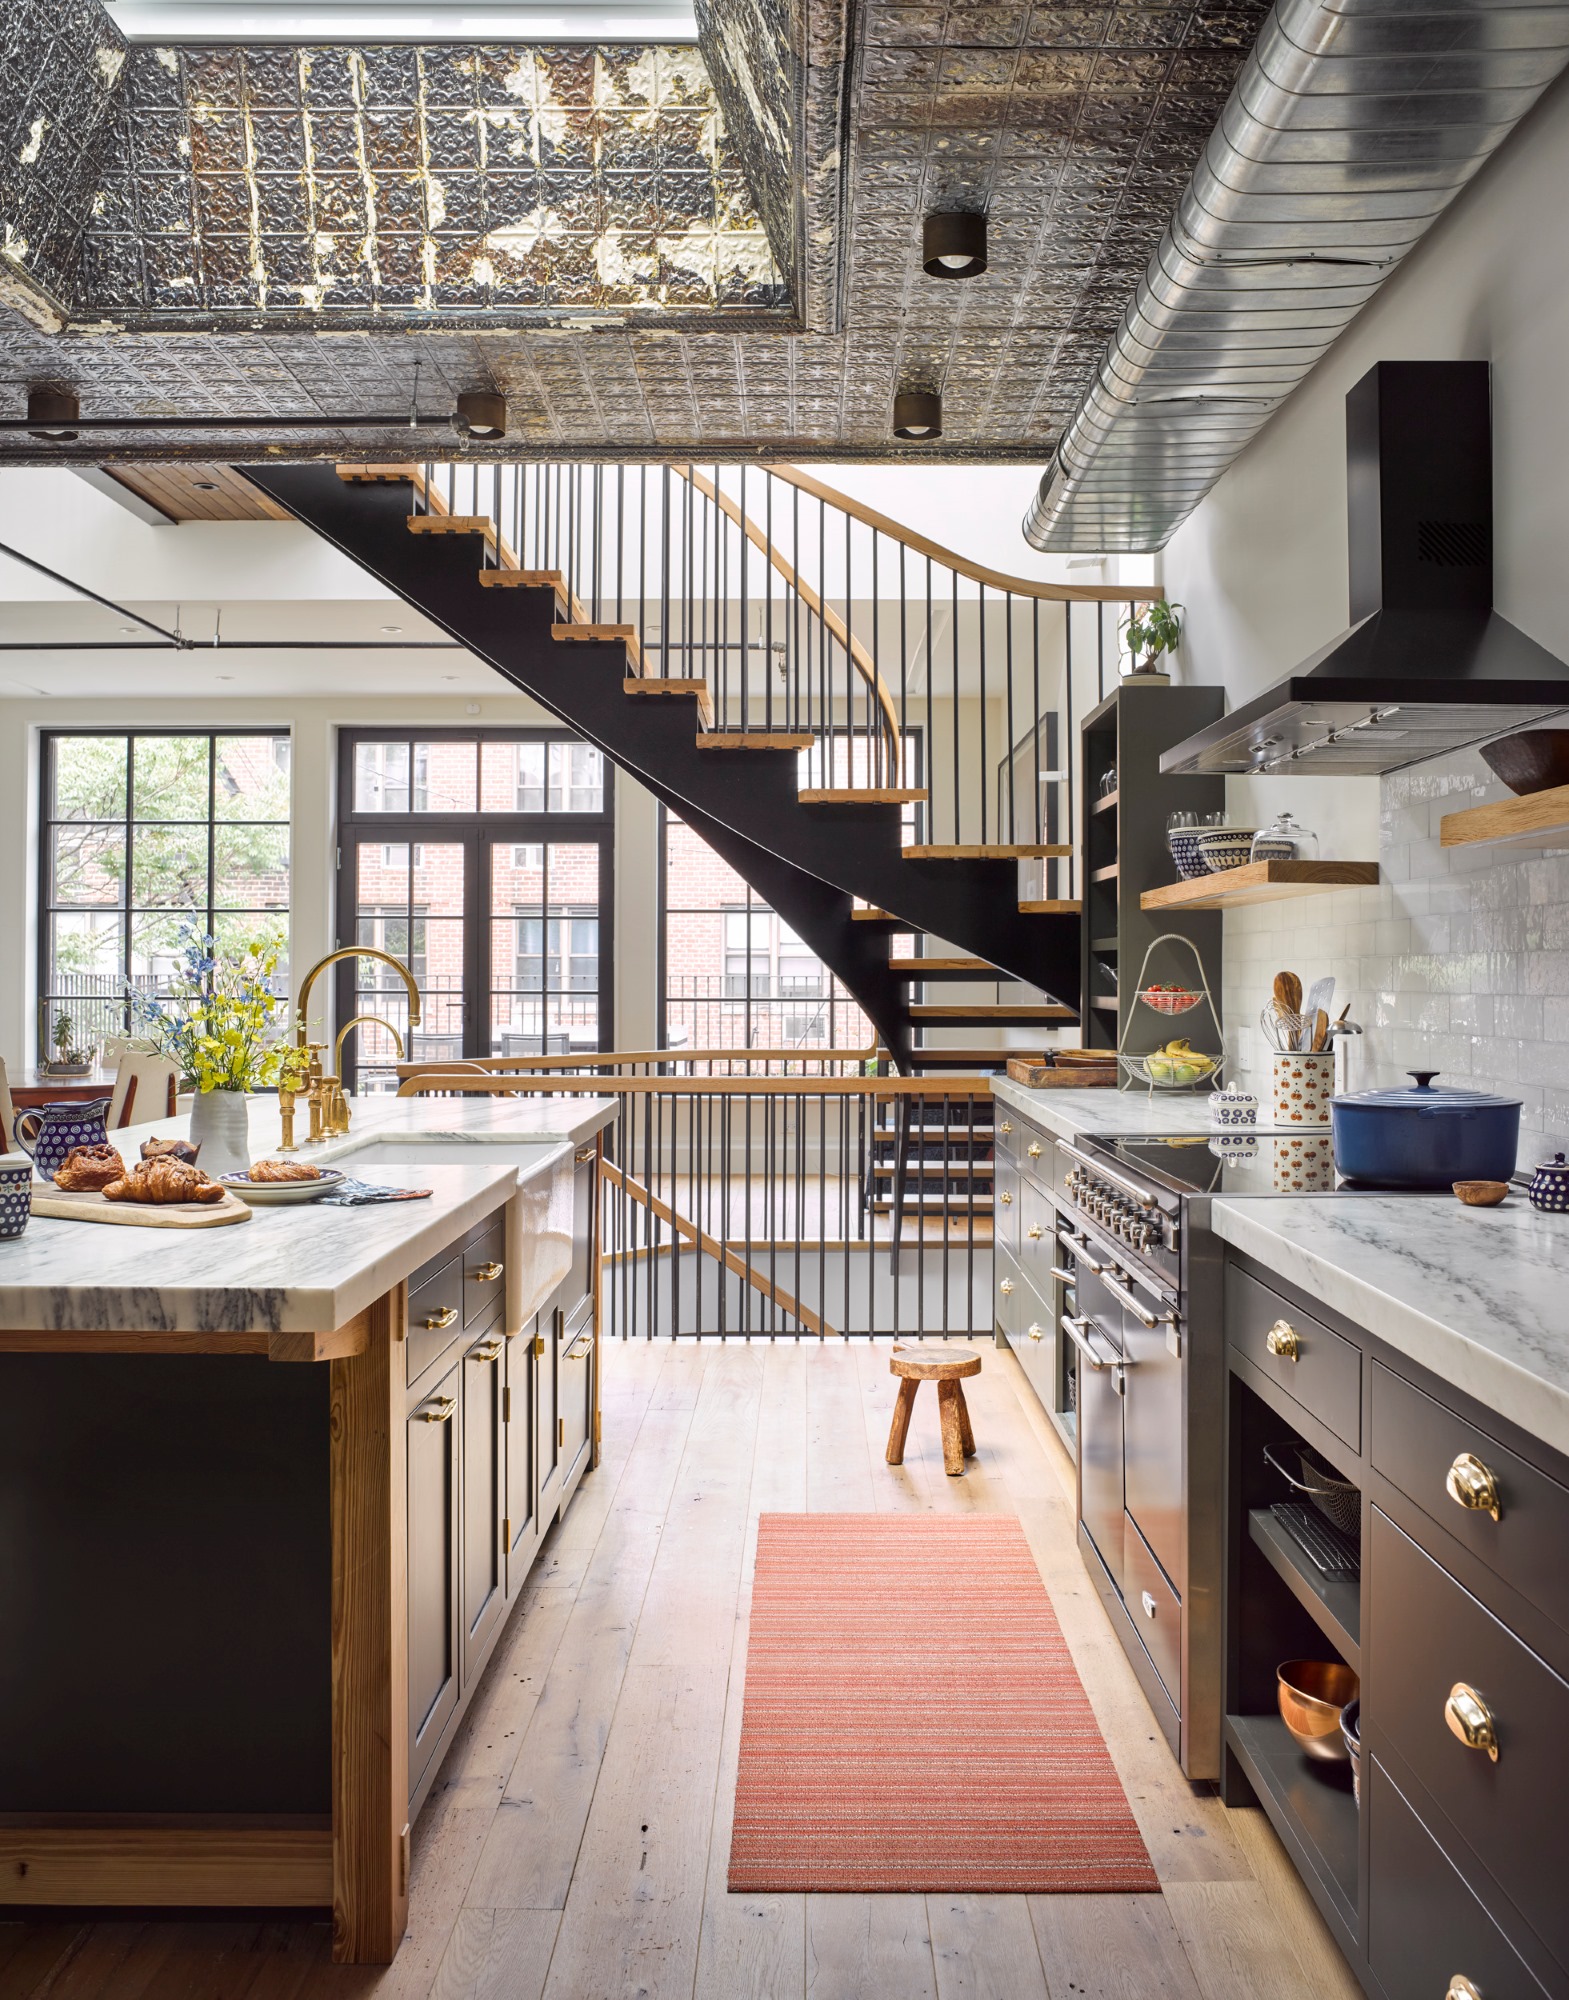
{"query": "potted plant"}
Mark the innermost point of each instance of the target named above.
(67, 1059)
(219, 1020)
(1151, 630)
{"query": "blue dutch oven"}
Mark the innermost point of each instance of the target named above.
(1424, 1137)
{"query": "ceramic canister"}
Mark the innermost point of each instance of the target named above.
(1233, 1106)
(16, 1193)
(1550, 1186)
(1302, 1088)
(54, 1130)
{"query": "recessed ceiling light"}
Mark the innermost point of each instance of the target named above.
(917, 415)
(128, 628)
(225, 677)
(953, 245)
(449, 677)
(392, 628)
(205, 485)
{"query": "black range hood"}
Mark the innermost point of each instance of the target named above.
(1427, 665)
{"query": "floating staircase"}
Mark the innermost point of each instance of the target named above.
(829, 854)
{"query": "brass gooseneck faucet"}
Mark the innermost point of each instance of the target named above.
(328, 1105)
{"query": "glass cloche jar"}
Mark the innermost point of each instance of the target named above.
(1284, 840)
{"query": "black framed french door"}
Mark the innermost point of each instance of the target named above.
(503, 916)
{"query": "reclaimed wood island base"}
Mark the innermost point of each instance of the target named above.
(253, 1572)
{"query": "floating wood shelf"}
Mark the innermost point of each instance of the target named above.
(1106, 874)
(1106, 803)
(1260, 882)
(1539, 819)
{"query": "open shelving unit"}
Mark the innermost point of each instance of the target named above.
(1260, 882)
(1533, 820)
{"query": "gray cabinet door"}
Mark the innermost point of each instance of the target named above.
(552, 1320)
(484, 1475)
(575, 1385)
(433, 1444)
(520, 1447)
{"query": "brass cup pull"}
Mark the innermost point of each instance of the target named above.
(1470, 1718)
(1461, 1988)
(1284, 1341)
(584, 1154)
(1006, 1288)
(1007, 1201)
(1036, 1232)
(1034, 1331)
(487, 1274)
(1034, 1150)
(491, 1350)
(439, 1410)
(1469, 1484)
(443, 1316)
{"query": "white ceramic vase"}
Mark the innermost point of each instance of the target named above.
(220, 1125)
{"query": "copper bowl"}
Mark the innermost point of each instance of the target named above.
(1481, 1194)
(1312, 1695)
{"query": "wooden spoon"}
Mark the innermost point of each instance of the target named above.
(1288, 993)
(1320, 1031)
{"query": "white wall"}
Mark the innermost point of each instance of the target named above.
(1457, 961)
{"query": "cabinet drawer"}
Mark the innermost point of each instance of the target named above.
(1425, 1925)
(1011, 1291)
(1006, 1182)
(1010, 1132)
(1036, 1155)
(1154, 1607)
(1037, 1236)
(1416, 1441)
(575, 1376)
(435, 1314)
(1431, 1637)
(1319, 1370)
(433, 1442)
(484, 1272)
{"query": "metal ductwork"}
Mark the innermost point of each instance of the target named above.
(1350, 129)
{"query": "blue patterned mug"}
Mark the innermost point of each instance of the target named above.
(16, 1194)
(54, 1130)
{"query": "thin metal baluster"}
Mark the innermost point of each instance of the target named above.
(621, 502)
(495, 511)
(904, 664)
(703, 587)
(954, 717)
(1100, 650)
(1071, 748)
(746, 1289)
(985, 785)
(768, 603)
(874, 717)
(599, 508)
(1008, 747)
(793, 681)
(849, 663)
(823, 656)
(642, 548)
(664, 561)
(1035, 771)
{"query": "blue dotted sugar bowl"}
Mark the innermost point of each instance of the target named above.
(1550, 1186)
(16, 1193)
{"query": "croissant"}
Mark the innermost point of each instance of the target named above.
(164, 1180)
(284, 1170)
(88, 1169)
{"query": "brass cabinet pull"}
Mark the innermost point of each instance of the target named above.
(1471, 1485)
(539, 1344)
(442, 1316)
(487, 1274)
(1283, 1341)
(584, 1154)
(1150, 1606)
(1007, 1201)
(1036, 1232)
(1006, 1288)
(1470, 1718)
(1033, 1330)
(488, 1351)
(1461, 1988)
(1034, 1149)
(581, 1348)
(1007, 1126)
(438, 1410)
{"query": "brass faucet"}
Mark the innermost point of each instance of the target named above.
(329, 1108)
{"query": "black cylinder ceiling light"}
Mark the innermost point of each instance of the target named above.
(53, 413)
(917, 416)
(953, 244)
(481, 413)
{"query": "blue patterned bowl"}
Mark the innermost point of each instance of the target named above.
(1184, 844)
(1224, 847)
(16, 1193)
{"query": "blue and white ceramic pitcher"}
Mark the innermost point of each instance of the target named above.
(53, 1130)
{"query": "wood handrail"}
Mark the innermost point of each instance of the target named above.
(710, 1246)
(1019, 586)
(961, 1084)
(863, 662)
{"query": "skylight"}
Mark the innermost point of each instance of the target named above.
(404, 20)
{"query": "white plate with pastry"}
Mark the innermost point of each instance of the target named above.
(282, 1181)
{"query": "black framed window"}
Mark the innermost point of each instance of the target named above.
(144, 832)
(483, 860)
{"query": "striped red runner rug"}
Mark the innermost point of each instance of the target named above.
(913, 1719)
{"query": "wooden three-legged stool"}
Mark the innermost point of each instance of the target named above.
(947, 1367)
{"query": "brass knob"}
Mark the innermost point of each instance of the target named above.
(1470, 1718)
(443, 1316)
(1461, 1988)
(488, 1273)
(1284, 1341)
(1034, 1331)
(1034, 1150)
(1006, 1288)
(1007, 1201)
(1469, 1484)
(438, 1411)
(1007, 1126)
(1036, 1232)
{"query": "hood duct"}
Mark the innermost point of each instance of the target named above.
(1350, 129)
(1427, 665)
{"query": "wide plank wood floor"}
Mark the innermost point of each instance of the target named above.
(576, 1845)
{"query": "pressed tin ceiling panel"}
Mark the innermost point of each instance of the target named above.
(648, 263)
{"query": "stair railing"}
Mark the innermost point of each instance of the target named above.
(895, 665)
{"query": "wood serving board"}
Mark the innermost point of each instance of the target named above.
(1077, 1076)
(87, 1206)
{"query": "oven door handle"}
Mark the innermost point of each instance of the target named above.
(1076, 1247)
(1124, 1297)
(1074, 1325)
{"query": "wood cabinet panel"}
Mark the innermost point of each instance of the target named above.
(433, 1445)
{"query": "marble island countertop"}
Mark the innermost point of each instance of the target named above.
(300, 1269)
(1067, 1113)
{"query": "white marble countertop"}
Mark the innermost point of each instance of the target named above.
(1476, 1295)
(297, 1269)
(1066, 1113)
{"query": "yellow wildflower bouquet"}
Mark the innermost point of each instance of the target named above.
(219, 1019)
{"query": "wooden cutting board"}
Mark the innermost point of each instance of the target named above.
(86, 1206)
(1045, 1076)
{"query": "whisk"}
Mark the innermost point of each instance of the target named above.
(1283, 1031)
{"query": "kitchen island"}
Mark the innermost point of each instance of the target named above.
(268, 1496)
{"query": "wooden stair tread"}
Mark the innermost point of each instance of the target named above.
(744, 739)
(983, 1011)
(522, 579)
(982, 967)
(936, 1204)
(452, 524)
(935, 1169)
(1052, 906)
(1013, 851)
(880, 795)
(582, 631)
(657, 684)
(870, 916)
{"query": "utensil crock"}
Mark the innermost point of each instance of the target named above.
(1301, 1085)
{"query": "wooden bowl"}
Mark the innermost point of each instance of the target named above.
(1532, 760)
(1481, 1194)
(1312, 1695)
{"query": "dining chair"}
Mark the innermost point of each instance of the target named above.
(7, 1112)
(144, 1089)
